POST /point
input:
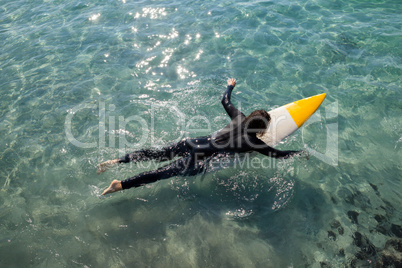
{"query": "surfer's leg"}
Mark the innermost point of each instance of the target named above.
(190, 166)
(179, 167)
(164, 154)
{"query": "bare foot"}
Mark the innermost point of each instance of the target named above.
(107, 164)
(114, 187)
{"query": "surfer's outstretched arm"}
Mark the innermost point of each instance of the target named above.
(227, 104)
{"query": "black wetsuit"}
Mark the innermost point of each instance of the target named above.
(195, 152)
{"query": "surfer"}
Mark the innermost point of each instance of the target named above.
(239, 136)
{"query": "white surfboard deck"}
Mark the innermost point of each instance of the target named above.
(290, 117)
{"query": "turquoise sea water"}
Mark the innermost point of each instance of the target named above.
(83, 82)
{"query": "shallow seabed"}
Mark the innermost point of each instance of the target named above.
(83, 82)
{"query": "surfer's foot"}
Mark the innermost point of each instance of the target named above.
(115, 186)
(107, 164)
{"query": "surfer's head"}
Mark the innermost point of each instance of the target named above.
(257, 122)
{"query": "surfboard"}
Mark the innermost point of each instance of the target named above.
(290, 117)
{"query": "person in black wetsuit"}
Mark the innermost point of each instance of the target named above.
(239, 136)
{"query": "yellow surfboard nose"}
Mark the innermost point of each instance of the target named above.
(302, 110)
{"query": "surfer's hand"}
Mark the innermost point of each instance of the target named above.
(305, 154)
(232, 82)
